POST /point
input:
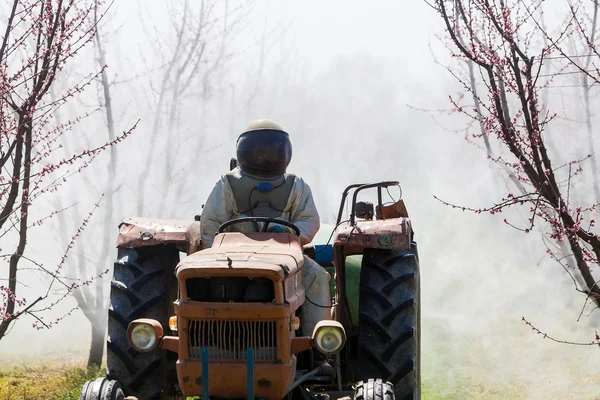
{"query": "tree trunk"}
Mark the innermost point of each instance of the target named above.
(97, 344)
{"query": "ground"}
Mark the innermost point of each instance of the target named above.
(461, 361)
(55, 381)
(44, 381)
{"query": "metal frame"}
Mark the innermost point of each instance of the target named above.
(360, 187)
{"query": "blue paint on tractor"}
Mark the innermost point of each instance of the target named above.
(205, 373)
(249, 369)
(250, 372)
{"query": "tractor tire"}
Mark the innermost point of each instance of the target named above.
(374, 389)
(390, 319)
(102, 389)
(142, 287)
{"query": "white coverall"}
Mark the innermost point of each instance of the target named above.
(221, 207)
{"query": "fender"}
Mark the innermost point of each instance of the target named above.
(137, 232)
(389, 234)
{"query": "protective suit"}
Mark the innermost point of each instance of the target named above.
(221, 206)
(270, 192)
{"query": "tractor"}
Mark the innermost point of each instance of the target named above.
(223, 322)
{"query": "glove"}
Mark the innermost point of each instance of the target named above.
(277, 229)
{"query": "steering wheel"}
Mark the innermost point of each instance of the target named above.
(266, 221)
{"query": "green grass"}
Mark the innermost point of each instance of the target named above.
(475, 389)
(445, 376)
(64, 383)
(505, 363)
(54, 382)
(468, 389)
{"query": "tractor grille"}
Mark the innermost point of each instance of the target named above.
(228, 340)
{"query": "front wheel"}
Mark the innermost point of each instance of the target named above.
(374, 389)
(102, 389)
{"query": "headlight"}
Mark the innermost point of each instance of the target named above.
(329, 337)
(144, 334)
(143, 337)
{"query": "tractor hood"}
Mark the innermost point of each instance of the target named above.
(248, 254)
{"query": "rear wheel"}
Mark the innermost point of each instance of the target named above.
(142, 287)
(389, 320)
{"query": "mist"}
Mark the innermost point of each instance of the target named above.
(352, 84)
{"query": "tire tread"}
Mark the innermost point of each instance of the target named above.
(389, 337)
(140, 289)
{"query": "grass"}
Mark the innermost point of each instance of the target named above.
(47, 382)
(468, 389)
(64, 382)
(472, 388)
(454, 367)
(504, 364)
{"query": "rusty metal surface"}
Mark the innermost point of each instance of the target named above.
(192, 338)
(211, 267)
(151, 231)
(302, 343)
(170, 343)
(263, 244)
(248, 253)
(226, 329)
(396, 210)
(227, 340)
(228, 380)
(287, 288)
(245, 311)
(294, 291)
(393, 234)
(210, 315)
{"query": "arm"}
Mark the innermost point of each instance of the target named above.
(217, 210)
(303, 212)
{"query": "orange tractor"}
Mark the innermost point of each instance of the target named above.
(223, 322)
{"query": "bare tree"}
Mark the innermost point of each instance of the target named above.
(181, 67)
(91, 259)
(40, 38)
(588, 40)
(191, 59)
(270, 37)
(507, 44)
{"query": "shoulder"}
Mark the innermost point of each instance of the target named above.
(299, 183)
(234, 174)
(295, 178)
(222, 183)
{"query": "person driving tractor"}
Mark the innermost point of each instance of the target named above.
(260, 187)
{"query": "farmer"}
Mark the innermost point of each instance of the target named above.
(264, 152)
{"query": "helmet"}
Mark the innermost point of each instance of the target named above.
(264, 149)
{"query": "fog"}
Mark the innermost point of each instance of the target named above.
(349, 82)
